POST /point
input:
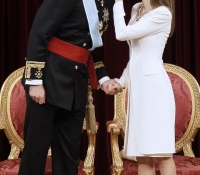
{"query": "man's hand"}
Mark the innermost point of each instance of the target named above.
(37, 93)
(106, 86)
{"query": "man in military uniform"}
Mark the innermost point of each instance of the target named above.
(61, 57)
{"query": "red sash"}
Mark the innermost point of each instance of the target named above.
(77, 54)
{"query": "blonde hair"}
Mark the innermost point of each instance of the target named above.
(171, 5)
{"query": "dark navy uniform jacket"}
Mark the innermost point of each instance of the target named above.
(65, 81)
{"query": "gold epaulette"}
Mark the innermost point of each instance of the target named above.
(34, 70)
(98, 65)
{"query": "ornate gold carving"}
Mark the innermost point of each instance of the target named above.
(116, 157)
(89, 160)
(120, 109)
(14, 139)
(185, 141)
(187, 149)
(34, 64)
(98, 65)
(114, 130)
(14, 153)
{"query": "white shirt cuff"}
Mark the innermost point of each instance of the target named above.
(34, 82)
(102, 80)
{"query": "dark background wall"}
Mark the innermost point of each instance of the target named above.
(183, 49)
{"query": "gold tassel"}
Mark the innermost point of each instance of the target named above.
(90, 112)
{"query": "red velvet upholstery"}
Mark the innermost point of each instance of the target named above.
(18, 108)
(183, 104)
(11, 167)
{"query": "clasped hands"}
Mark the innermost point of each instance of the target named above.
(111, 87)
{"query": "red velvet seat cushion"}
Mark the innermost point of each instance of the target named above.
(187, 165)
(11, 167)
(184, 166)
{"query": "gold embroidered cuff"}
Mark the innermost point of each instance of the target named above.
(98, 65)
(34, 70)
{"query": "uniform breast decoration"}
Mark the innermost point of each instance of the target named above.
(103, 17)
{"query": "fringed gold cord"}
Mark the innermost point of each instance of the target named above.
(90, 118)
(90, 112)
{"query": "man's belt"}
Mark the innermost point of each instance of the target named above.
(77, 54)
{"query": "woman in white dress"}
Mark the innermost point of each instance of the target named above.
(150, 130)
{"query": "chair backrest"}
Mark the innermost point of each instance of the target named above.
(13, 106)
(187, 99)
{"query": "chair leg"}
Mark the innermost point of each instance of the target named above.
(89, 160)
(116, 157)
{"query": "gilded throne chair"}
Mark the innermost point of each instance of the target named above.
(187, 98)
(12, 112)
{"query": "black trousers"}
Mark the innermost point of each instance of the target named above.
(47, 125)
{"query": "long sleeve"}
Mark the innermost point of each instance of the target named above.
(49, 17)
(155, 22)
(123, 81)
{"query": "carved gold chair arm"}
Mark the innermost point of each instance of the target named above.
(114, 131)
(187, 149)
(88, 166)
(15, 151)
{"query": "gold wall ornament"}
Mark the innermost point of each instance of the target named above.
(34, 64)
(106, 15)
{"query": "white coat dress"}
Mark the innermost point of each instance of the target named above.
(150, 129)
